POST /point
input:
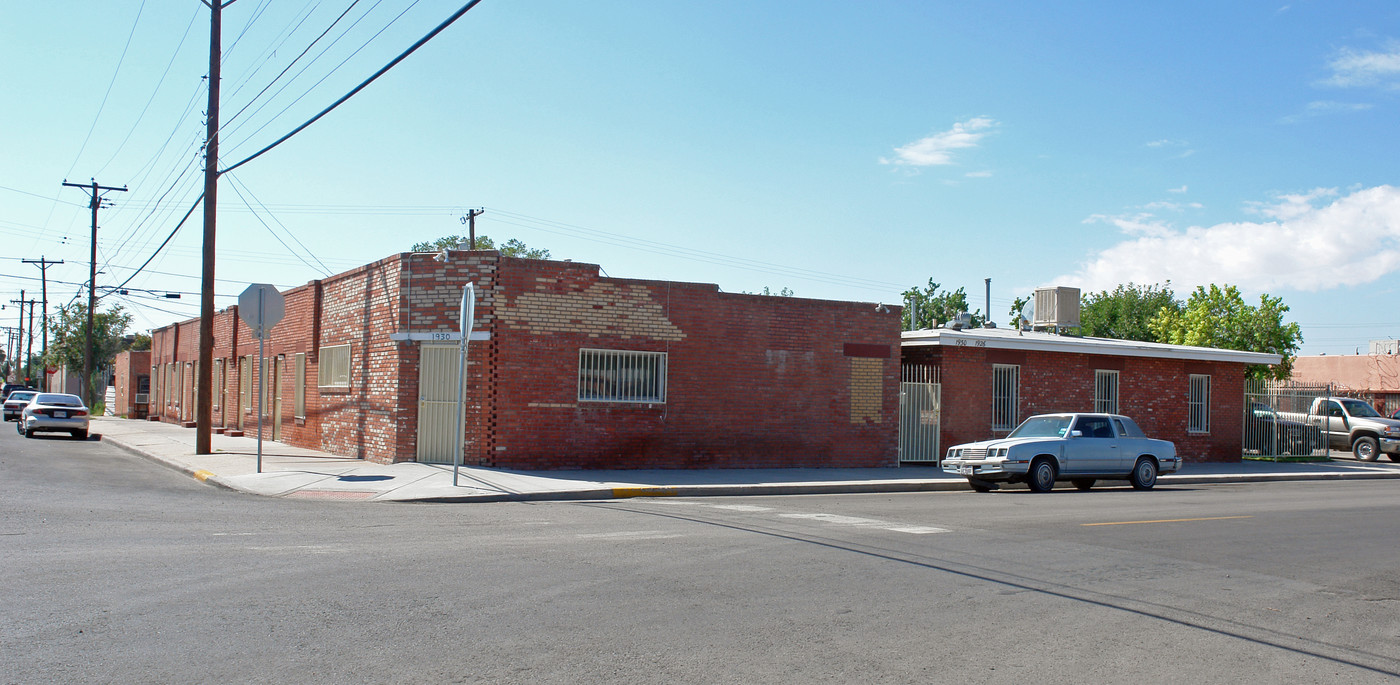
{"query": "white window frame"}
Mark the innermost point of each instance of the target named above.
(603, 376)
(1006, 396)
(333, 366)
(1105, 391)
(1198, 404)
(299, 368)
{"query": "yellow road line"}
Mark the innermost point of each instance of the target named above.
(1129, 523)
(203, 475)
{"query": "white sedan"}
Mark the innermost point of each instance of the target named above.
(52, 412)
(1080, 448)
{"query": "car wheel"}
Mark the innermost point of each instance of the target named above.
(80, 435)
(25, 433)
(1365, 448)
(1042, 476)
(979, 486)
(1144, 474)
(1083, 483)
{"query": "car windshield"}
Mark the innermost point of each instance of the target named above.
(1360, 409)
(21, 396)
(1042, 427)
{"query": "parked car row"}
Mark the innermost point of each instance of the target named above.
(46, 412)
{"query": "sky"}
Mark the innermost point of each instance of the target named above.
(842, 150)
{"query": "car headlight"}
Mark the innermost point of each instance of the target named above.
(1392, 430)
(999, 453)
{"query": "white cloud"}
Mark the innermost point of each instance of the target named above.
(1352, 240)
(937, 149)
(1324, 107)
(978, 174)
(1172, 206)
(1363, 68)
(1182, 189)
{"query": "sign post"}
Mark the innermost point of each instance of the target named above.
(261, 307)
(464, 322)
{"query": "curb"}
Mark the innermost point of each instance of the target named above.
(740, 490)
(200, 475)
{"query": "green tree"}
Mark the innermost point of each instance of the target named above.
(68, 336)
(137, 342)
(929, 306)
(1219, 317)
(510, 248)
(1125, 313)
(785, 292)
(1018, 311)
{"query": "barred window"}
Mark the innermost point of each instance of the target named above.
(1198, 405)
(334, 369)
(299, 369)
(1106, 392)
(621, 376)
(1006, 396)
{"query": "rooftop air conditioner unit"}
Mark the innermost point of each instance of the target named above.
(1056, 308)
(960, 321)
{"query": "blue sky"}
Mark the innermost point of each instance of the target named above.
(843, 150)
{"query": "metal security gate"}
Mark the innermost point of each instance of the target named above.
(1277, 424)
(437, 404)
(920, 407)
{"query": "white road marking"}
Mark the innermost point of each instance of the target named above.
(833, 519)
(629, 535)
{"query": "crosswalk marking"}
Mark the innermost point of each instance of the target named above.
(831, 519)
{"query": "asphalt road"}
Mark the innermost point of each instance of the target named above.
(114, 569)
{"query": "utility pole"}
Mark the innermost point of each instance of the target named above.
(204, 373)
(43, 263)
(29, 354)
(470, 220)
(96, 204)
(19, 339)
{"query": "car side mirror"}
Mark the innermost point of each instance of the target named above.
(1076, 434)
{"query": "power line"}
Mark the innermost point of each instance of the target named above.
(105, 95)
(413, 48)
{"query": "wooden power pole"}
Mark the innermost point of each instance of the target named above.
(94, 205)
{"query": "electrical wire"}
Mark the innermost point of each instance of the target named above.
(165, 242)
(235, 185)
(289, 66)
(413, 48)
(160, 82)
(103, 105)
(233, 129)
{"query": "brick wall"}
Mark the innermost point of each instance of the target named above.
(752, 381)
(1151, 391)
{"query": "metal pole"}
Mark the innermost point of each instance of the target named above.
(262, 371)
(465, 316)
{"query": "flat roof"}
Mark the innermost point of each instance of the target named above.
(1012, 339)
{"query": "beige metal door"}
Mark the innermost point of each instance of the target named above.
(437, 404)
(278, 366)
(245, 383)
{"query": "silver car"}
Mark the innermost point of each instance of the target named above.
(15, 401)
(51, 412)
(1080, 448)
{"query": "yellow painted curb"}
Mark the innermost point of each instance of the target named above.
(643, 492)
(203, 475)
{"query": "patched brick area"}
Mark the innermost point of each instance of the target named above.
(751, 381)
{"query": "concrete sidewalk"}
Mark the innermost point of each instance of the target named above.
(303, 473)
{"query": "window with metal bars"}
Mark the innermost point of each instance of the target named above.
(621, 376)
(1006, 396)
(1198, 405)
(1106, 391)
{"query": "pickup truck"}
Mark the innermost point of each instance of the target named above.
(1351, 424)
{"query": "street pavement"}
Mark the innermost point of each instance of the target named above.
(288, 471)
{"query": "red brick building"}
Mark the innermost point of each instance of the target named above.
(993, 377)
(131, 376)
(566, 369)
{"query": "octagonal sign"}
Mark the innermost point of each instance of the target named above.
(261, 307)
